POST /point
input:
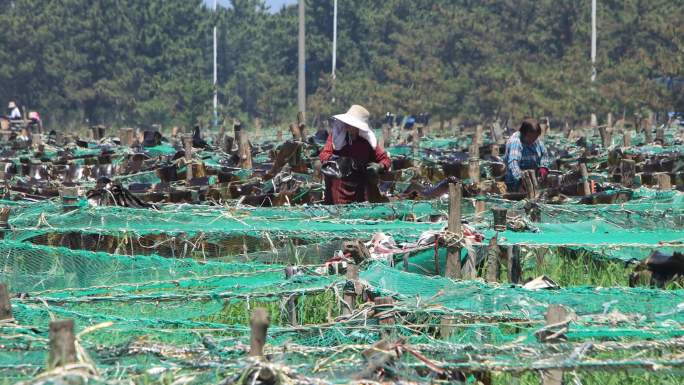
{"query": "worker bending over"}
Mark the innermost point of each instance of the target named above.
(525, 151)
(352, 158)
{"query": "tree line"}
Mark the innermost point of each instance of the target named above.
(137, 63)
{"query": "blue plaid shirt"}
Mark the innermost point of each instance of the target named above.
(520, 156)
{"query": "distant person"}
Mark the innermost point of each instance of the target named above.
(352, 158)
(525, 151)
(14, 113)
(35, 123)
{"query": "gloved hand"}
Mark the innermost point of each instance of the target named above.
(543, 172)
(374, 169)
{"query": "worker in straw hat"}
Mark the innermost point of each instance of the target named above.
(352, 158)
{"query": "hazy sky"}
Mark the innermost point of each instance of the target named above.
(274, 4)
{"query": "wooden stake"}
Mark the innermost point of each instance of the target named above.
(258, 322)
(69, 198)
(257, 129)
(529, 180)
(317, 176)
(555, 314)
(387, 136)
(453, 265)
(499, 215)
(660, 135)
(514, 269)
(384, 314)
(664, 181)
(301, 123)
(605, 137)
(5, 305)
(480, 206)
(245, 151)
(647, 126)
(62, 344)
(627, 139)
(586, 186)
(474, 170)
(594, 121)
(187, 146)
(349, 296)
(628, 171)
(493, 260)
(291, 304)
(4, 221)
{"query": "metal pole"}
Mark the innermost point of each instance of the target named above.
(301, 91)
(593, 40)
(215, 72)
(334, 48)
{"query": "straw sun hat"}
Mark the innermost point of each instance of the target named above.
(359, 117)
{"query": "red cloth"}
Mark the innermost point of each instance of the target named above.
(353, 188)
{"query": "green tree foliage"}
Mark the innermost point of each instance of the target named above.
(129, 62)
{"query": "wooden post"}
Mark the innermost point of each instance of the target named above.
(384, 312)
(187, 145)
(5, 305)
(258, 322)
(36, 141)
(228, 144)
(4, 221)
(474, 170)
(609, 120)
(555, 314)
(453, 263)
(474, 150)
(387, 135)
(480, 206)
(647, 126)
(62, 344)
(245, 151)
(415, 141)
(479, 132)
(493, 260)
(660, 135)
(500, 214)
(514, 268)
(257, 129)
(69, 198)
(301, 124)
(586, 186)
(664, 181)
(317, 176)
(627, 139)
(529, 180)
(126, 136)
(291, 304)
(349, 295)
(605, 136)
(628, 171)
(494, 128)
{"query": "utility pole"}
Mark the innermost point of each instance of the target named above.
(215, 71)
(334, 48)
(301, 90)
(593, 40)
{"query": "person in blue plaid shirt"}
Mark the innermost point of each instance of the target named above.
(525, 151)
